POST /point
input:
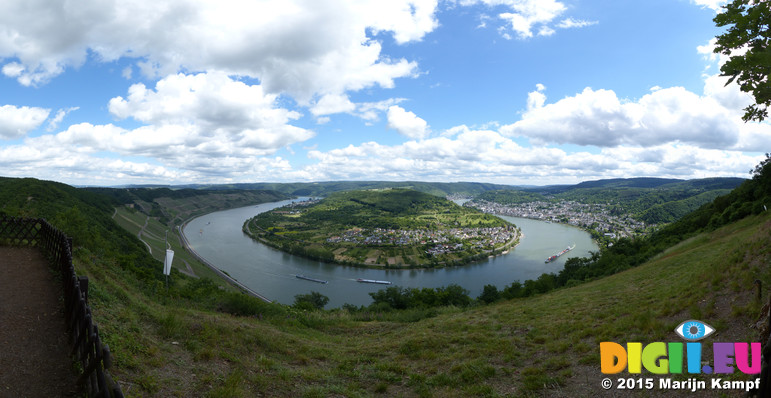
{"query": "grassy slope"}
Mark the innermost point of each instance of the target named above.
(543, 344)
(154, 235)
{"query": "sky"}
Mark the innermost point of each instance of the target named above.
(518, 92)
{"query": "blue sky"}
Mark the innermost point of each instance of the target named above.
(529, 92)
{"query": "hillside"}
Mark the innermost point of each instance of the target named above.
(175, 206)
(324, 188)
(651, 200)
(390, 227)
(195, 340)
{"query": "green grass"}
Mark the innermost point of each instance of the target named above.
(542, 345)
(154, 235)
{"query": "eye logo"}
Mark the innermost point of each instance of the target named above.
(694, 330)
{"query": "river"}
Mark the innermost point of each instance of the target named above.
(218, 238)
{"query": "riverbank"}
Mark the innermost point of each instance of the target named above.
(222, 274)
(484, 255)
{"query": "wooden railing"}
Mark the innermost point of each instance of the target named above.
(87, 348)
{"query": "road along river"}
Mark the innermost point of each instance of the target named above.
(218, 238)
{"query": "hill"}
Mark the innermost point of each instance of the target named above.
(175, 206)
(651, 200)
(324, 188)
(389, 227)
(193, 339)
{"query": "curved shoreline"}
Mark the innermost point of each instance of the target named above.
(503, 250)
(219, 272)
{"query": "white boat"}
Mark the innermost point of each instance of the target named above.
(373, 281)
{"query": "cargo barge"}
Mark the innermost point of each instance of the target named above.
(556, 256)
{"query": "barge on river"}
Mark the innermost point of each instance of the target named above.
(308, 278)
(373, 281)
(554, 257)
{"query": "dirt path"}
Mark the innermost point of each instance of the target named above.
(34, 348)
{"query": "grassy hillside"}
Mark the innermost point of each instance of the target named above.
(194, 339)
(166, 344)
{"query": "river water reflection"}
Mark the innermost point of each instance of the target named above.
(218, 238)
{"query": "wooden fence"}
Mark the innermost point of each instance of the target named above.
(87, 348)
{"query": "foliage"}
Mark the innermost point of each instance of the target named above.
(312, 301)
(747, 43)
(400, 298)
(490, 294)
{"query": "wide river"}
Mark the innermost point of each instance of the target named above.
(218, 238)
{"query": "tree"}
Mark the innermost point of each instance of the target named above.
(312, 301)
(490, 294)
(747, 44)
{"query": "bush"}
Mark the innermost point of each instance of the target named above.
(490, 294)
(312, 301)
(237, 303)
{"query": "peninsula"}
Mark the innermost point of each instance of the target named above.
(389, 228)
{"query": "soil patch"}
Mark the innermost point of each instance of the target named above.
(34, 349)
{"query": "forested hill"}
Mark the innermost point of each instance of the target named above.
(652, 200)
(177, 205)
(325, 188)
(753, 196)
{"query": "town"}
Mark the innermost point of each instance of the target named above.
(444, 241)
(593, 217)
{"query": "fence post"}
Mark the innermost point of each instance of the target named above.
(86, 345)
(83, 281)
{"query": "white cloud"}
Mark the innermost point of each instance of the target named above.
(13, 69)
(666, 115)
(536, 99)
(16, 122)
(482, 155)
(201, 125)
(370, 111)
(407, 123)
(53, 124)
(299, 47)
(526, 18)
(212, 104)
(711, 4)
(332, 103)
(570, 23)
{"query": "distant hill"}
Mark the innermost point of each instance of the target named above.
(177, 205)
(652, 200)
(324, 188)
